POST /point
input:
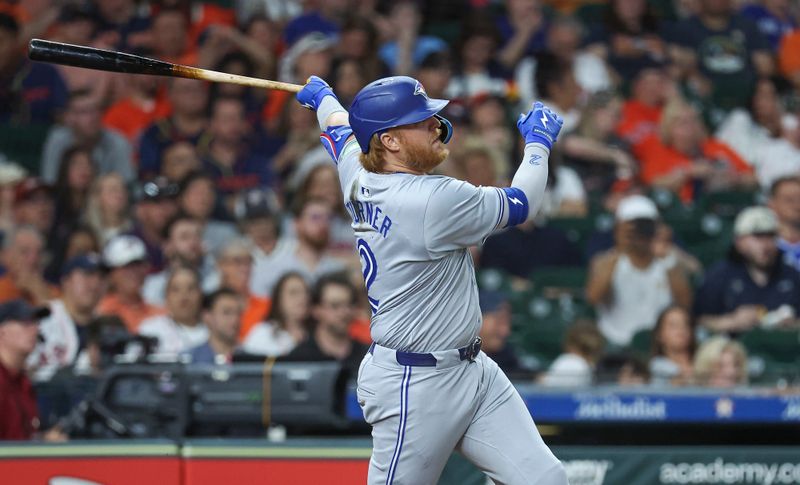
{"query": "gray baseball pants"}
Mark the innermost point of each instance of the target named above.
(420, 414)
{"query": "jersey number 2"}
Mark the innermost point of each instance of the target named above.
(370, 270)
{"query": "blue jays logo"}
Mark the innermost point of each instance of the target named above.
(419, 90)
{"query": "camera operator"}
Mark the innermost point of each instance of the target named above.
(629, 285)
(68, 395)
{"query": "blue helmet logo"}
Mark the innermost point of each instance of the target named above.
(391, 102)
(419, 90)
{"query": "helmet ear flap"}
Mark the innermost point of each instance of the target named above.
(446, 127)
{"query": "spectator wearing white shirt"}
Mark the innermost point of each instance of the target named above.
(287, 322)
(628, 285)
(761, 124)
(83, 126)
(181, 329)
(183, 246)
(65, 331)
(259, 221)
(583, 347)
(673, 348)
(309, 255)
(564, 38)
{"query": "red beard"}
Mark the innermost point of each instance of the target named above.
(423, 157)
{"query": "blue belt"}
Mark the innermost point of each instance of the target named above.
(468, 352)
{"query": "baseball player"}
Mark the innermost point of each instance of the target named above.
(425, 387)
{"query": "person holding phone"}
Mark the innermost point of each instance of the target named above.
(629, 285)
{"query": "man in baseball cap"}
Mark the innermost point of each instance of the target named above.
(19, 331)
(126, 258)
(64, 332)
(155, 206)
(257, 214)
(495, 330)
(628, 285)
(34, 204)
(752, 286)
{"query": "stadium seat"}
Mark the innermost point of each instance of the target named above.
(492, 279)
(779, 346)
(23, 144)
(579, 229)
(701, 228)
(534, 307)
(670, 206)
(554, 280)
(728, 203)
(540, 338)
(772, 354)
(641, 343)
(591, 14)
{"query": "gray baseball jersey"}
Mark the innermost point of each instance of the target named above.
(412, 237)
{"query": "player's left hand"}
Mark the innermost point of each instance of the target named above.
(540, 125)
(312, 93)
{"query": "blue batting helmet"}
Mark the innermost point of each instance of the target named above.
(391, 102)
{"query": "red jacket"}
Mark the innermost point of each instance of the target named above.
(19, 415)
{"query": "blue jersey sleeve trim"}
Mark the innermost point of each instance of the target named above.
(517, 206)
(334, 140)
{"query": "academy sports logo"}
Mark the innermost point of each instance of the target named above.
(419, 90)
(587, 472)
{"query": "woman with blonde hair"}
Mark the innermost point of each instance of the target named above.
(721, 362)
(683, 158)
(108, 211)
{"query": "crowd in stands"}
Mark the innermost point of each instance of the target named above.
(209, 217)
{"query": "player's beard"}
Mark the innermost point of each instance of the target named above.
(424, 157)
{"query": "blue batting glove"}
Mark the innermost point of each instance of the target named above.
(540, 125)
(312, 93)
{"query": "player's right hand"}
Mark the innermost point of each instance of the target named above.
(540, 125)
(312, 93)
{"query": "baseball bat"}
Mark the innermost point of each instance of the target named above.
(105, 60)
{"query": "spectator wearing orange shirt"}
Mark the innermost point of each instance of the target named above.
(685, 160)
(139, 107)
(650, 90)
(235, 263)
(788, 59)
(126, 258)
